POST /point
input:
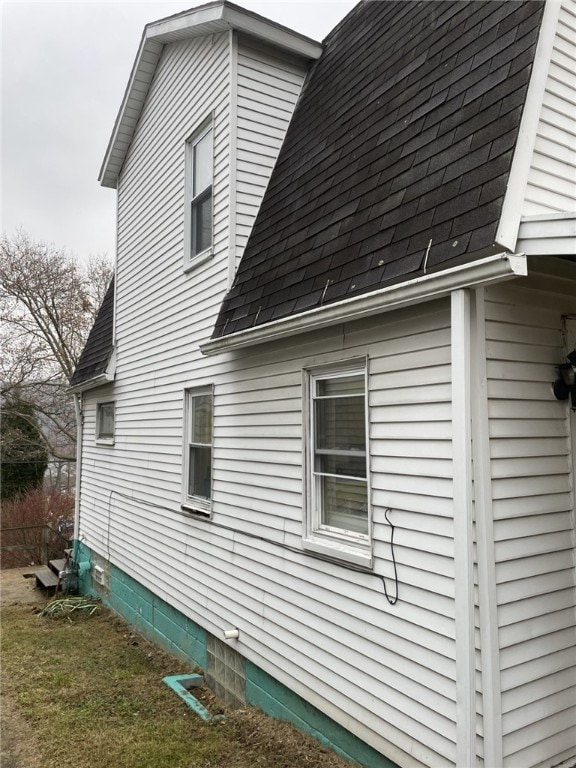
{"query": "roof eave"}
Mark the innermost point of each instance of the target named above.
(503, 266)
(207, 19)
(95, 381)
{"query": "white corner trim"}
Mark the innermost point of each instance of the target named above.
(485, 553)
(512, 207)
(492, 269)
(463, 529)
(233, 158)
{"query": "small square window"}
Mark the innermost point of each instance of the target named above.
(199, 194)
(105, 414)
(338, 490)
(197, 489)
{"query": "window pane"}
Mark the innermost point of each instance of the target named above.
(353, 466)
(340, 424)
(200, 472)
(201, 419)
(202, 164)
(343, 385)
(106, 420)
(344, 504)
(202, 224)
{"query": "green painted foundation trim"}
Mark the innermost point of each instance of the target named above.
(171, 630)
(183, 685)
(151, 616)
(274, 698)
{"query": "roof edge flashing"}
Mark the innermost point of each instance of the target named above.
(503, 266)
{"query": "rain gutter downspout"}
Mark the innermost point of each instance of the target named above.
(79, 434)
(502, 266)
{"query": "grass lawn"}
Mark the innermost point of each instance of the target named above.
(91, 693)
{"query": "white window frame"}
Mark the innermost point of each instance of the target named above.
(191, 258)
(106, 438)
(192, 503)
(336, 543)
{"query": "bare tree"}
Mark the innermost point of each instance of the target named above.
(48, 302)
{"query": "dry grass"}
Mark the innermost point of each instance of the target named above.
(91, 691)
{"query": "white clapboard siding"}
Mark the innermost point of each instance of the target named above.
(387, 673)
(533, 507)
(552, 179)
(268, 88)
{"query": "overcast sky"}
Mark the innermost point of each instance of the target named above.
(65, 66)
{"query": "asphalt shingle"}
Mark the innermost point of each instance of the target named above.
(403, 134)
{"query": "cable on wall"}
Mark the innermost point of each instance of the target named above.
(391, 600)
(297, 550)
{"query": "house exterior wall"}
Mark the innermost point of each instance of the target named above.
(533, 514)
(551, 182)
(268, 86)
(326, 632)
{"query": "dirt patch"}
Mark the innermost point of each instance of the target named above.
(16, 589)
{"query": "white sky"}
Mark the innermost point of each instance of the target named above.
(65, 66)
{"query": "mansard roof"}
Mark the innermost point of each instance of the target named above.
(397, 158)
(97, 353)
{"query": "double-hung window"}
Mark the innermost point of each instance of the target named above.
(197, 490)
(338, 500)
(105, 413)
(199, 181)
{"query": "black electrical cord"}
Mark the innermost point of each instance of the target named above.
(297, 550)
(391, 600)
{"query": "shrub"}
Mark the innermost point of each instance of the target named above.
(23, 524)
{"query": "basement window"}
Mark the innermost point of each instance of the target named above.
(337, 520)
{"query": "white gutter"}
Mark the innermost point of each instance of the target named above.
(503, 266)
(97, 381)
(79, 433)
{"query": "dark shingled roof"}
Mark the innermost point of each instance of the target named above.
(96, 354)
(404, 133)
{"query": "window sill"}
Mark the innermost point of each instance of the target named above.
(195, 510)
(340, 551)
(190, 264)
(104, 441)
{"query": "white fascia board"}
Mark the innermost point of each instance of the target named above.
(272, 33)
(225, 16)
(186, 21)
(513, 204)
(492, 269)
(127, 118)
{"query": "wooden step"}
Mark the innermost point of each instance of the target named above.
(57, 565)
(46, 579)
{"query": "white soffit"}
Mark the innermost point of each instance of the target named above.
(212, 18)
